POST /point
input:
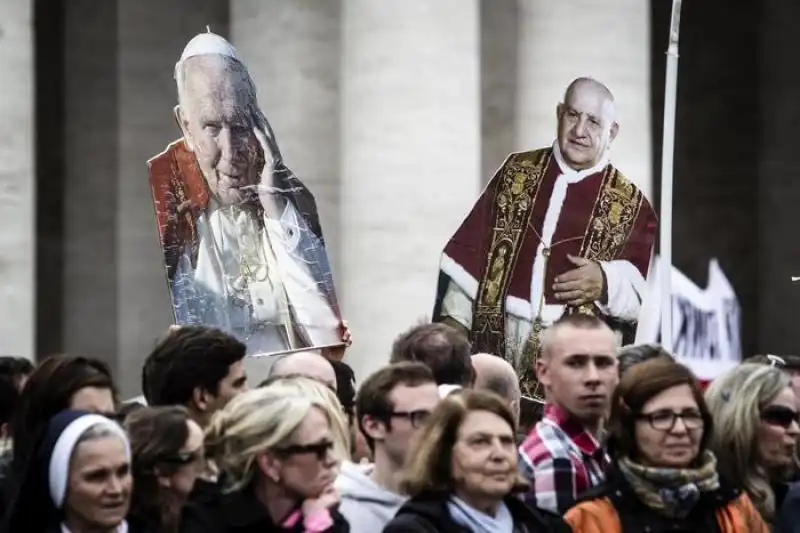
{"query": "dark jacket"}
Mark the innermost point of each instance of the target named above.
(788, 516)
(429, 514)
(615, 508)
(241, 512)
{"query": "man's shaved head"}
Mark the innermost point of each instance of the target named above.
(580, 85)
(495, 374)
(310, 364)
(587, 123)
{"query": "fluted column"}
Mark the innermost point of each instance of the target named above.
(17, 180)
(609, 41)
(410, 158)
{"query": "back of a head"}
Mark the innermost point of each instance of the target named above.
(186, 358)
(495, 374)
(442, 348)
(639, 385)
(13, 372)
(345, 385)
(638, 353)
(48, 391)
(257, 420)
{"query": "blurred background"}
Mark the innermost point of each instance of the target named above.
(395, 114)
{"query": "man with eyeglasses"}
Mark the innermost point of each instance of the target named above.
(391, 405)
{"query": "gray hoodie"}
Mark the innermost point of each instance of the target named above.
(366, 506)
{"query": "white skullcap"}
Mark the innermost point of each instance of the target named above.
(207, 43)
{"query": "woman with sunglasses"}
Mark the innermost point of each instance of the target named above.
(275, 449)
(167, 448)
(663, 477)
(756, 430)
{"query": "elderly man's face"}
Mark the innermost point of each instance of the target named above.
(218, 126)
(586, 127)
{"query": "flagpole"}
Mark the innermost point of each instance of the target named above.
(667, 154)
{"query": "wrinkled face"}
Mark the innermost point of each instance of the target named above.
(93, 399)
(778, 430)
(484, 457)
(586, 127)
(412, 405)
(306, 465)
(217, 122)
(580, 371)
(669, 429)
(189, 462)
(99, 490)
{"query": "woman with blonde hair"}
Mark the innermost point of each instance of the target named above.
(462, 473)
(274, 447)
(756, 429)
(305, 386)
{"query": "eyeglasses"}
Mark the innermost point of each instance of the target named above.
(776, 361)
(780, 415)
(417, 418)
(320, 449)
(665, 420)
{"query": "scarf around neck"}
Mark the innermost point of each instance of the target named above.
(673, 492)
(465, 515)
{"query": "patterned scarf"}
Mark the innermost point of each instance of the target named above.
(672, 492)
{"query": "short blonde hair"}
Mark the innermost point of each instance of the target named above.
(428, 467)
(255, 421)
(309, 387)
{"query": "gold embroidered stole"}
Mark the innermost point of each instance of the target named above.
(608, 230)
(514, 198)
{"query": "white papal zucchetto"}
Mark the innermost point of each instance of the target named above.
(207, 43)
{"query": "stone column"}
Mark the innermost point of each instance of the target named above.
(560, 41)
(152, 35)
(293, 51)
(410, 159)
(17, 180)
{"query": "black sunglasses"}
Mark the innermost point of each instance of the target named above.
(780, 415)
(320, 449)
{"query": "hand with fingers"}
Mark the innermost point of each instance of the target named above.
(583, 284)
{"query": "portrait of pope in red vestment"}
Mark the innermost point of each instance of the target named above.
(557, 230)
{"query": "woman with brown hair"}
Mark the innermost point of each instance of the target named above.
(663, 476)
(167, 449)
(462, 473)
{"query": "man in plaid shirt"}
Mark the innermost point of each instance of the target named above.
(562, 457)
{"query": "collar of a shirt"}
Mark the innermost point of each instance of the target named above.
(582, 438)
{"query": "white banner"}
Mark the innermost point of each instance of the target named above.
(706, 323)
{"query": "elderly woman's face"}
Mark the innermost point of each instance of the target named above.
(308, 464)
(669, 429)
(99, 491)
(484, 457)
(778, 431)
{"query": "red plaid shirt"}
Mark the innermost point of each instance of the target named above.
(561, 461)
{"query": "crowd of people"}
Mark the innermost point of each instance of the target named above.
(438, 440)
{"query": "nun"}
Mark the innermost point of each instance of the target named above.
(78, 479)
